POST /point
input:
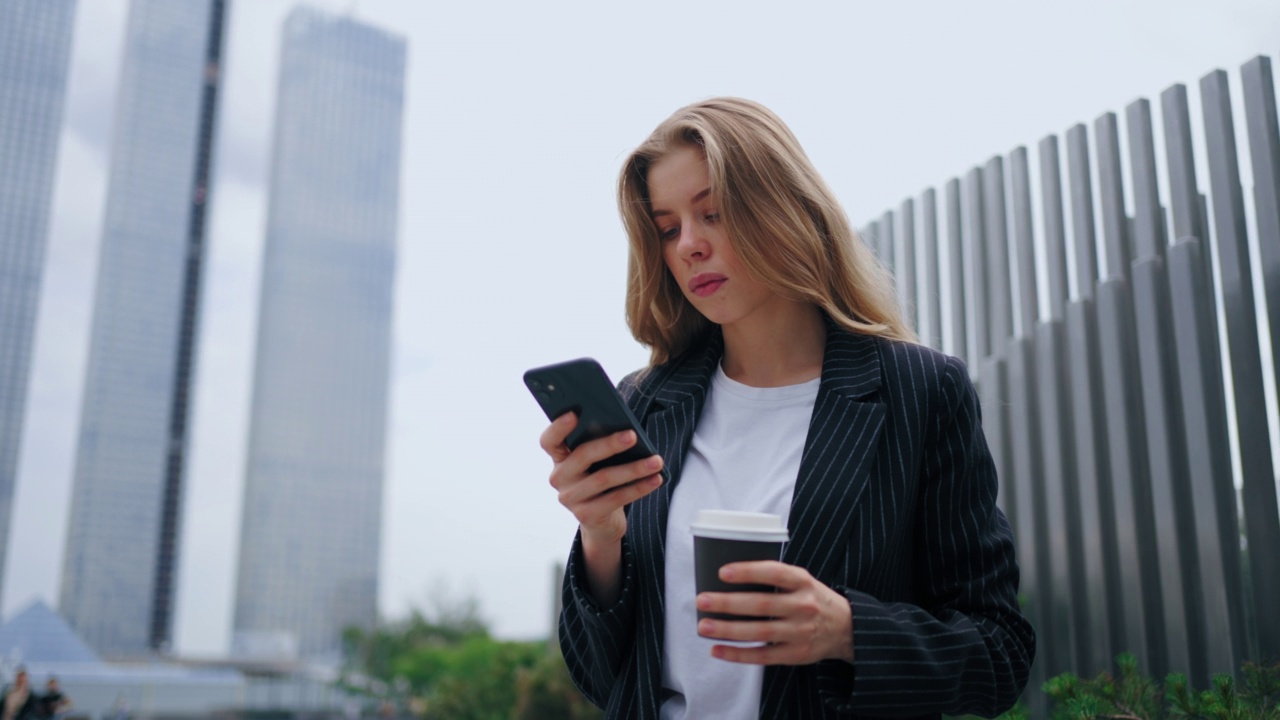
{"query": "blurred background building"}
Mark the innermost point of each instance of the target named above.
(310, 534)
(40, 641)
(118, 572)
(35, 47)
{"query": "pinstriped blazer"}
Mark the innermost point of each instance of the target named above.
(894, 507)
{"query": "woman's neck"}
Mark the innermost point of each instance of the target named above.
(784, 347)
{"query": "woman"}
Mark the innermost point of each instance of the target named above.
(17, 702)
(782, 380)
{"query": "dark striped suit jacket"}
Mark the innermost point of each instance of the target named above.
(894, 507)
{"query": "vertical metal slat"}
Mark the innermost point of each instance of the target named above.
(1082, 228)
(1171, 497)
(1024, 240)
(1125, 424)
(1261, 517)
(955, 248)
(1061, 500)
(999, 278)
(1099, 540)
(1216, 530)
(932, 279)
(1115, 226)
(975, 239)
(906, 266)
(1148, 219)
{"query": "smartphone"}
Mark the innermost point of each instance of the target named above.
(582, 387)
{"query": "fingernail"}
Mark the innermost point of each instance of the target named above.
(654, 462)
(704, 602)
(706, 627)
(629, 438)
(726, 573)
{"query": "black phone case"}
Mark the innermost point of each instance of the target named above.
(581, 386)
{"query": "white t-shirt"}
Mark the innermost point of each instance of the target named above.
(745, 455)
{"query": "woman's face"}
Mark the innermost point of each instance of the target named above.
(694, 243)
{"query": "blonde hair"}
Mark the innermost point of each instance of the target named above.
(783, 221)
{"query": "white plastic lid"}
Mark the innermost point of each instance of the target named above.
(734, 525)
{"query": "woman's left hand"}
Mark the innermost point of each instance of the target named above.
(808, 620)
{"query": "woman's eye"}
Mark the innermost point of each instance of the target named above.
(668, 233)
(713, 217)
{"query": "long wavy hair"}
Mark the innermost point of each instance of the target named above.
(783, 221)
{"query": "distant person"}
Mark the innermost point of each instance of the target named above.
(53, 703)
(120, 711)
(782, 379)
(17, 701)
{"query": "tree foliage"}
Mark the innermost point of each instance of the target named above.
(546, 691)
(1133, 696)
(446, 666)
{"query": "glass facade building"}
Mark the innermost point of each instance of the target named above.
(118, 571)
(35, 48)
(310, 534)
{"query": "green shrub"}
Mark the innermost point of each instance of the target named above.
(1130, 695)
(444, 665)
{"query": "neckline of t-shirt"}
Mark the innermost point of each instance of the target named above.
(784, 393)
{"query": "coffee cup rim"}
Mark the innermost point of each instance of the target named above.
(719, 533)
(735, 525)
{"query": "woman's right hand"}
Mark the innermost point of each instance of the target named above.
(596, 499)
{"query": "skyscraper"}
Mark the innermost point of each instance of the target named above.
(118, 573)
(313, 490)
(35, 46)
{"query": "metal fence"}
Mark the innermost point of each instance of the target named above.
(1107, 407)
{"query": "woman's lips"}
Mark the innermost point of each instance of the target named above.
(705, 284)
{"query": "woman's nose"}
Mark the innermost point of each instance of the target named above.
(691, 243)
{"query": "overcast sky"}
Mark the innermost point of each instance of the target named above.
(511, 253)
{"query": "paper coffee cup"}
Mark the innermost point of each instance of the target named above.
(721, 537)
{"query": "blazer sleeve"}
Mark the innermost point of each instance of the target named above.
(596, 641)
(964, 646)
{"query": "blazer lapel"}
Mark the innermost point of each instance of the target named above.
(668, 404)
(839, 452)
(838, 455)
(670, 413)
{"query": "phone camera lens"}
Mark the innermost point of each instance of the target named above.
(551, 388)
(535, 384)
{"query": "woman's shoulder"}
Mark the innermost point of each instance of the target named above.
(918, 357)
(686, 370)
(645, 381)
(922, 368)
(630, 382)
(640, 384)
